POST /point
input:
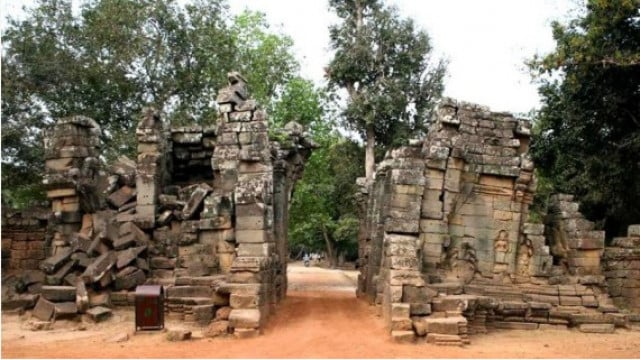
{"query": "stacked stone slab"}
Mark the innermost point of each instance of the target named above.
(244, 163)
(151, 167)
(479, 185)
(575, 242)
(401, 265)
(447, 245)
(23, 238)
(373, 197)
(622, 270)
(71, 173)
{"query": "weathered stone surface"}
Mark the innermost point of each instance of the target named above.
(401, 324)
(223, 313)
(216, 329)
(100, 299)
(65, 310)
(515, 325)
(129, 278)
(55, 262)
(126, 257)
(82, 296)
(99, 267)
(57, 277)
(130, 234)
(178, 335)
(161, 262)
(420, 309)
(189, 291)
(400, 310)
(195, 200)
(633, 230)
(203, 314)
(448, 325)
(121, 196)
(59, 293)
(44, 310)
(421, 295)
(99, 313)
(403, 336)
(245, 318)
(597, 328)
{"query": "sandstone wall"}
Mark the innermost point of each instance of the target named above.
(447, 245)
(622, 270)
(24, 239)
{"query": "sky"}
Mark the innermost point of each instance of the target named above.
(485, 42)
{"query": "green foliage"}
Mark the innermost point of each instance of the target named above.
(322, 214)
(587, 135)
(264, 58)
(383, 62)
(117, 56)
(299, 101)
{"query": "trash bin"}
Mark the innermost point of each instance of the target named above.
(149, 307)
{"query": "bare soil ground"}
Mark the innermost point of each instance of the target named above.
(320, 318)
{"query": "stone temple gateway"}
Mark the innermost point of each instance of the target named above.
(447, 246)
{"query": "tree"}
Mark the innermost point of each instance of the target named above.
(265, 57)
(322, 214)
(323, 210)
(299, 101)
(117, 56)
(587, 137)
(383, 63)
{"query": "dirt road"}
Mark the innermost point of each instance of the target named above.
(321, 318)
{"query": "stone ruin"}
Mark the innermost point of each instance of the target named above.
(447, 246)
(203, 212)
(448, 249)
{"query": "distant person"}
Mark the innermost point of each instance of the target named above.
(305, 259)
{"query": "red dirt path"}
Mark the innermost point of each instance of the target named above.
(321, 318)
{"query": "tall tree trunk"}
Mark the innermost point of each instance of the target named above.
(369, 159)
(331, 251)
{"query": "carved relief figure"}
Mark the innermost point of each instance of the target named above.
(461, 261)
(501, 248)
(525, 252)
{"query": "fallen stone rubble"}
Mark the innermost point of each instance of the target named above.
(201, 211)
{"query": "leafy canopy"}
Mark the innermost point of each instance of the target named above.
(587, 137)
(117, 56)
(383, 62)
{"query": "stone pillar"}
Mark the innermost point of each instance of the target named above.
(151, 167)
(402, 263)
(71, 174)
(242, 162)
(280, 225)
